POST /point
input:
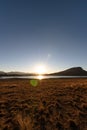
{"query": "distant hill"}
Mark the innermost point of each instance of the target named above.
(15, 74)
(75, 71)
(2, 73)
(18, 74)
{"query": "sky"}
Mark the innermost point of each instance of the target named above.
(52, 33)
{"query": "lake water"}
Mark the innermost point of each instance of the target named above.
(41, 77)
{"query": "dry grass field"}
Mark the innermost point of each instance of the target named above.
(53, 104)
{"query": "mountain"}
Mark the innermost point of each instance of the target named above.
(75, 71)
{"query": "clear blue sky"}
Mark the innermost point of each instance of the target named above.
(50, 32)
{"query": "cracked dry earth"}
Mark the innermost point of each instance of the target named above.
(54, 104)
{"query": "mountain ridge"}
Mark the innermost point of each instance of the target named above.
(74, 71)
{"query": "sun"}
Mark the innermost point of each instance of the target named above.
(40, 69)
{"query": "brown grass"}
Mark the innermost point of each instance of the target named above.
(54, 104)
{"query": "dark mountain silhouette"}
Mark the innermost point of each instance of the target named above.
(75, 71)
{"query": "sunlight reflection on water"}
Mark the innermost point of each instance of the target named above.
(40, 77)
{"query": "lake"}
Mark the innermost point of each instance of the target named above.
(41, 77)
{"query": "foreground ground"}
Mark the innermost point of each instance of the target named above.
(49, 104)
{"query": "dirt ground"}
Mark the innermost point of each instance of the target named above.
(48, 104)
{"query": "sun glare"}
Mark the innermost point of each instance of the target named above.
(40, 69)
